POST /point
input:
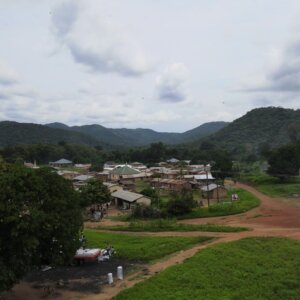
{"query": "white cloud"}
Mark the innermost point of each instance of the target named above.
(96, 42)
(7, 75)
(172, 83)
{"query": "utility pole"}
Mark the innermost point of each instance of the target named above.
(217, 191)
(208, 201)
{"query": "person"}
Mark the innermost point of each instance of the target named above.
(82, 240)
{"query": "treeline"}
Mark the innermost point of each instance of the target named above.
(44, 153)
(155, 153)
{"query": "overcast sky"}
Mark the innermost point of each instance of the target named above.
(169, 65)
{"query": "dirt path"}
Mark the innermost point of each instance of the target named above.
(272, 218)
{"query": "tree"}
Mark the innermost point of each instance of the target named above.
(94, 192)
(181, 203)
(285, 161)
(40, 220)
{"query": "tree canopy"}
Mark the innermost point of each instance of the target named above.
(40, 220)
(94, 192)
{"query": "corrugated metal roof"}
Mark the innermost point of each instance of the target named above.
(83, 177)
(124, 170)
(127, 196)
(62, 161)
(203, 176)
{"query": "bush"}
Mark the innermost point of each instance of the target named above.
(181, 203)
(147, 212)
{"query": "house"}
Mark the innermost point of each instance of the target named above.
(215, 191)
(61, 163)
(102, 175)
(128, 185)
(139, 166)
(121, 172)
(81, 180)
(170, 184)
(83, 166)
(126, 200)
(203, 176)
(113, 187)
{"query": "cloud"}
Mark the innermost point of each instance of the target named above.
(283, 73)
(172, 83)
(7, 75)
(96, 42)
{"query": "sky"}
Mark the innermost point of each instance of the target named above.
(160, 64)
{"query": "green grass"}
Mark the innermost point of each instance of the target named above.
(246, 202)
(141, 248)
(279, 189)
(252, 268)
(171, 225)
(272, 186)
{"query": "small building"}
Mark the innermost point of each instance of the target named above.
(126, 200)
(81, 180)
(214, 191)
(61, 163)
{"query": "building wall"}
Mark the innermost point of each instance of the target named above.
(144, 200)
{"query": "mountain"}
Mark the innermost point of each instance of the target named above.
(203, 130)
(140, 136)
(13, 133)
(271, 125)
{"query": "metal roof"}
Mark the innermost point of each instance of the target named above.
(83, 177)
(62, 161)
(124, 170)
(203, 176)
(127, 196)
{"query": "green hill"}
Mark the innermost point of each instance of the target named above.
(13, 133)
(140, 136)
(272, 126)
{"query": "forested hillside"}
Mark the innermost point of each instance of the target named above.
(13, 133)
(260, 128)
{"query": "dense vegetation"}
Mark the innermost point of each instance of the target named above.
(252, 268)
(45, 153)
(40, 220)
(259, 130)
(140, 136)
(13, 133)
(140, 248)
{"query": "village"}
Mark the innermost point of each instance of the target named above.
(124, 180)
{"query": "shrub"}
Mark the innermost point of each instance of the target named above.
(181, 203)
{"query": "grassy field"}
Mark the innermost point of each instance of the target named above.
(140, 248)
(246, 202)
(280, 189)
(170, 225)
(272, 186)
(252, 268)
